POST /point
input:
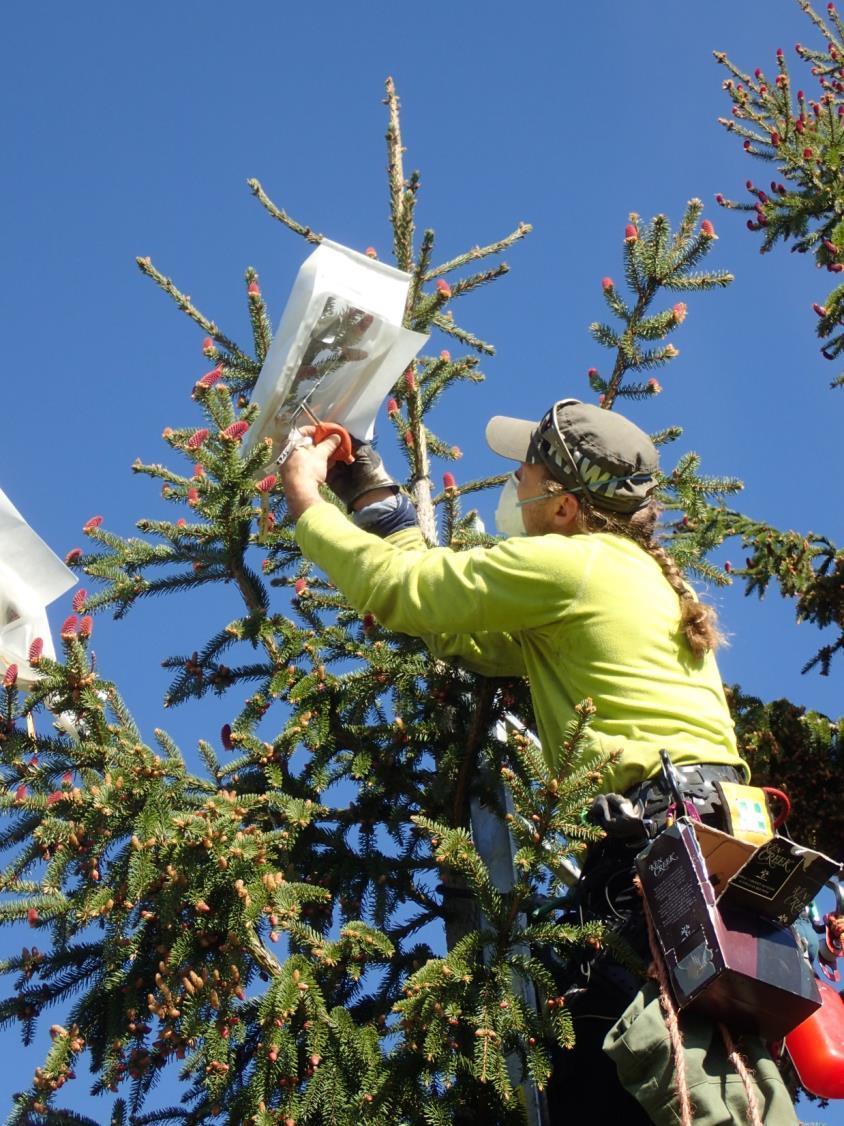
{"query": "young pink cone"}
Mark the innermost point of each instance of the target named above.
(70, 627)
(196, 439)
(234, 432)
(210, 378)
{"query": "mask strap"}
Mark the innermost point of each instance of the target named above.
(533, 500)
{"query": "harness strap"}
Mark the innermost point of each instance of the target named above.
(653, 796)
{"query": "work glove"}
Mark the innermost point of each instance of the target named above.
(350, 482)
(618, 818)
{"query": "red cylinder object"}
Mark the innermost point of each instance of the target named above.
(816, 1046)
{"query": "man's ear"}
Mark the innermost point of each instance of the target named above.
(567, 514)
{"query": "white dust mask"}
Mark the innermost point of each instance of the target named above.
(508, 515)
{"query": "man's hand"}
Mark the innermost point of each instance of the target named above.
(304, 471)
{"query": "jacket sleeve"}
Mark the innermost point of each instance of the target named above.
(439, 594)
(487, 653)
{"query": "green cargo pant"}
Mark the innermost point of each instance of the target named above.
(639, 1046)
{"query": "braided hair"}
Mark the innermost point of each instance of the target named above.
(698, 621)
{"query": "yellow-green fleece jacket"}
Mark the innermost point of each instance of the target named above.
(584, 615)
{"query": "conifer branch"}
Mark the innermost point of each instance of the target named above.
(802, 137)
(417, 279)
(478, 252)
(282, 216)
(261, 328)
(185, 304)
(401, 195)
(653, 260)
(480, 485)
(443, 322)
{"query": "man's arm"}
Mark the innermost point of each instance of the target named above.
(435, 594)
(490, 654)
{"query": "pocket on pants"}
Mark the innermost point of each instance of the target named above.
(639, 1045)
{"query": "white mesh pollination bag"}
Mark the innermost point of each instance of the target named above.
(340, 346)
(31, 577)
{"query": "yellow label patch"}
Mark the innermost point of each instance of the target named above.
(746, 811)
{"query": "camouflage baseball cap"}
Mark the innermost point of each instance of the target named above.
(585, 448)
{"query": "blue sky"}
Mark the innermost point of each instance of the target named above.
(132, 129)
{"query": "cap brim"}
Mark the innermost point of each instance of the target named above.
(509, 437)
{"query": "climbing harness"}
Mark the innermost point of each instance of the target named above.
(715, 795)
